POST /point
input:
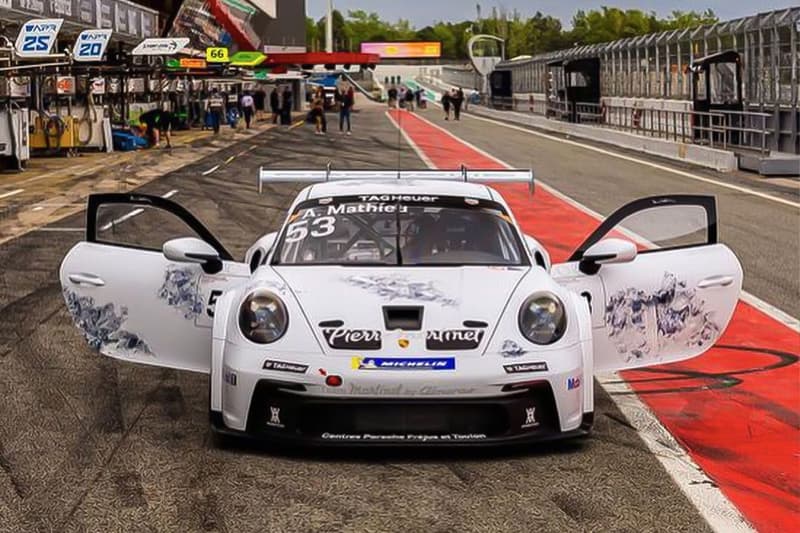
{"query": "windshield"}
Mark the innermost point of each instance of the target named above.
(369, 231)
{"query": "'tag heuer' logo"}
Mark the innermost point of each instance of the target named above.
(404, 363)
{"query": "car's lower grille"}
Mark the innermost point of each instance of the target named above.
(424, 418)
(276, 409)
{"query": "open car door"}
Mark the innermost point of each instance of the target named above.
(660, 286)
(129, 299)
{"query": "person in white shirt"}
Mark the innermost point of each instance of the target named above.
(248, 106)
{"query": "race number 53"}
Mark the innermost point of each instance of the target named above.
(319, 228)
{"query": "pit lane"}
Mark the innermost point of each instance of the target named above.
(89, 444)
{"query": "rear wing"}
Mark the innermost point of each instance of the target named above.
(269, 176)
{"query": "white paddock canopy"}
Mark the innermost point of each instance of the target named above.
(270, 176)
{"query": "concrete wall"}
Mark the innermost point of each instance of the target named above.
(720, 160)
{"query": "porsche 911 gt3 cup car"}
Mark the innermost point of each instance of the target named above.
(400, 307)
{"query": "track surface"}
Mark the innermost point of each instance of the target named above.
(88, 444)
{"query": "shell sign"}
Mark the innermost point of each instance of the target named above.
(404, 50)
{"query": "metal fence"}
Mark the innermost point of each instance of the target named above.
(717, 129)
(654, 65)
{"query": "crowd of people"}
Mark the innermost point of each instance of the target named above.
(344, 99)
(406, 98)
(216, 109)
(454, 100)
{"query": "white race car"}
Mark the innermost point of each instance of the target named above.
(400, 307)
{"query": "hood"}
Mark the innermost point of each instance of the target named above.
(402, 311)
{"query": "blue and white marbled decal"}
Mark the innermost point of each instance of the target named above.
(395, 287)
(673, 311)
(512, 349)
(102, 325)
(181, 291)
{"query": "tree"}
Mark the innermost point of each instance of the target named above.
(534, 35)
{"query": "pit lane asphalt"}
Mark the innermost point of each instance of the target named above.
(90, 444)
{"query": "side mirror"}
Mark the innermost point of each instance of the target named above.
(193, 250)
(538, 252)
(607, 252)
(262, 247)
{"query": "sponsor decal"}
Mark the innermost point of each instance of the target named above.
(397, 363)
(398, 198)
(405, 392)
(352, 339)
(403, 437)
(275, 417)
(156, 46)
(229, 378)
(192, 62)
(512, 349)
(522, 368)
(453, 339)
(530, 418)
(280, 366)
(573, 383)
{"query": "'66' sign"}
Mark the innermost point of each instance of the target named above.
(91, 45)
(37, 37)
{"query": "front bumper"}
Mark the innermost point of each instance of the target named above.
(282, 413)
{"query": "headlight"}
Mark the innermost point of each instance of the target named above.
(263, 318)
(542, 319)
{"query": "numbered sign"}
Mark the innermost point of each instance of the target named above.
(37, 37)
(91, 45)
(217, 55)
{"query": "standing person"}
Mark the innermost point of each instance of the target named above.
(322, 116)
(318, 112)
(248, 105)
(458, 101)
(216, 108)
(446, 104)
(410, 100)
(401, 97)
(275, 104)
(392, 97)
(260, 98)
(345, 108)
(286, 106)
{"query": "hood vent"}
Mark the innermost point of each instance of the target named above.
(408, 318)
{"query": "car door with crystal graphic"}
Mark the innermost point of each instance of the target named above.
(133, 303)
(660, 286)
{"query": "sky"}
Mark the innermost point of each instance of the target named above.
(424, 12)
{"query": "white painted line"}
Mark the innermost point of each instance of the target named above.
(133, 213)
(682, 173)
(121, 219)
(422, 155)
(11, 193)
(63, 230)
(704, 494)
(210, 170)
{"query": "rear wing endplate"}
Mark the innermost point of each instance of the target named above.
(270, 176)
